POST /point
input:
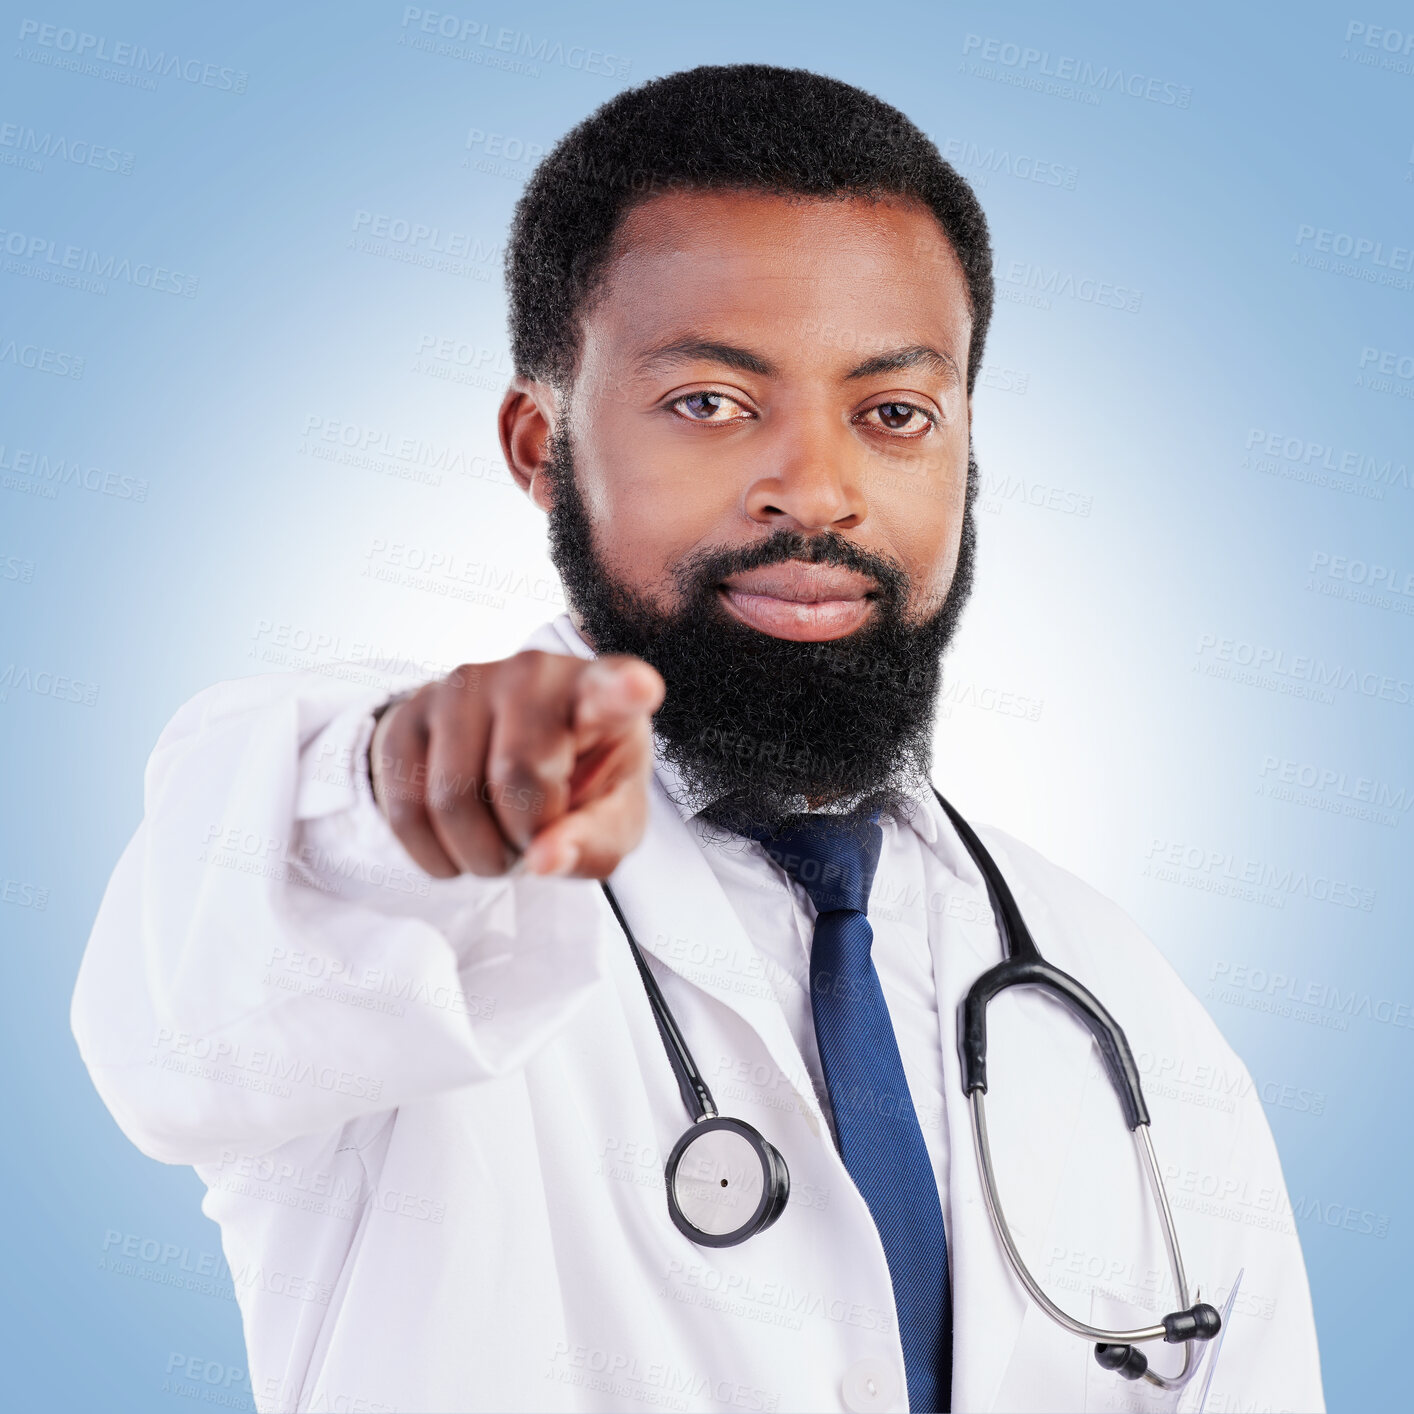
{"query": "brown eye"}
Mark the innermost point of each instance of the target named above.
(708, 407)
(902, 418)
(895, 416)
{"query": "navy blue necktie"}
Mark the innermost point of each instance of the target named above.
(881, 1142)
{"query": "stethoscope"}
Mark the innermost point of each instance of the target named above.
(726, 1182)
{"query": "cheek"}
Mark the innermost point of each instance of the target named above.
(651, 503)
(920, 515)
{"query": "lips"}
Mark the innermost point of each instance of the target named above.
(806, 602)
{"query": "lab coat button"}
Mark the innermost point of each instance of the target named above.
(871, 1386)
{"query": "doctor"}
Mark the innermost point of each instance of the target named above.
(402, 1036)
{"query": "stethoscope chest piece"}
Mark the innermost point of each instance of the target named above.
(725, 1182)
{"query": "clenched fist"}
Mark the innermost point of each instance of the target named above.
(540, 758)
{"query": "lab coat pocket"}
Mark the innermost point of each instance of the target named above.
(1198, 1390)
(1107, 1391)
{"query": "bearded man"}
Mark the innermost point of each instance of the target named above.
(677, 864)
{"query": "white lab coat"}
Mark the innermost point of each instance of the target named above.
(432, 1116)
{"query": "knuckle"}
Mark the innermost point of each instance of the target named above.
(521, 669)
(399, 791)
(431, 860)
(517, 769)
(488, 865)
(450, 699)
(466, 677)
(451, 794)
(523, 795)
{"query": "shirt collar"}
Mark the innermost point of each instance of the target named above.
(561, 636)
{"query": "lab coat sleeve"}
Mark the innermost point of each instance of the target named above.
(268, 962)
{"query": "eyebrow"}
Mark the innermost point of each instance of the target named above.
(710, 350)
(914, 356)
(733, 356)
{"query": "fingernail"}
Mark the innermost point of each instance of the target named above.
(566, 857)
(549, 860)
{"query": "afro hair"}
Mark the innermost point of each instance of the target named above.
(745, 127)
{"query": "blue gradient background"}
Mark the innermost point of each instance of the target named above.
(1131, 523)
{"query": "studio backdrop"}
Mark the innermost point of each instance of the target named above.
(252, 341)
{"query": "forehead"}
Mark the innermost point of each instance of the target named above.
(850, 275)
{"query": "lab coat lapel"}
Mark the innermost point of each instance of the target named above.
(990, 1310)
(681, 916)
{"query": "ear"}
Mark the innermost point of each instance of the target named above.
(527, 414)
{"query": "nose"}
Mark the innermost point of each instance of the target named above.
(808, 481)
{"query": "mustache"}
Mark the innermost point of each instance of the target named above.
(698, 575)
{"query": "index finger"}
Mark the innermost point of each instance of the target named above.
(614, 694)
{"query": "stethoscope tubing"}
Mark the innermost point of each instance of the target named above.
(695, 1092)
(702, 1107)
(1023, 966)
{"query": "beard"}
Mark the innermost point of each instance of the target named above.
(761, 729)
